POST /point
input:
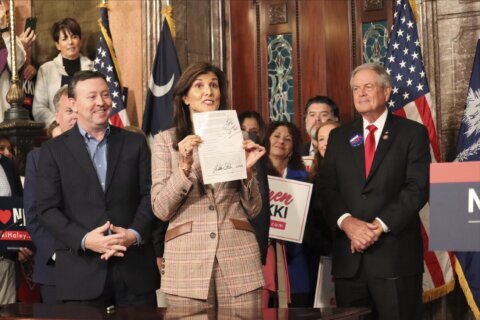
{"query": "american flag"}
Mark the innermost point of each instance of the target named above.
(106, 63)
(410, 98)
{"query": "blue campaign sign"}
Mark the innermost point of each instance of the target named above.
(455, 206)
(12, 225)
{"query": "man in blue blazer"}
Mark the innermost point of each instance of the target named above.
(93, 196)
(43, 270)
(373, 183)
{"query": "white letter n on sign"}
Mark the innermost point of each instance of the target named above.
(473, 197)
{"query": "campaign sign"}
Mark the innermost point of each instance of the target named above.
(455, 206)
(289, 202)
(12, 225)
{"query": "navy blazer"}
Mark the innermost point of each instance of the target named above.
(43, 270)
(71, 202)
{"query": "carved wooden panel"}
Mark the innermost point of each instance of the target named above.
(450, 32)
(372, 5)
(318, 33)
(277, 13)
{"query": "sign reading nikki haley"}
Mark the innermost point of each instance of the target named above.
(12, 225)
(289, 202)
(455, 206)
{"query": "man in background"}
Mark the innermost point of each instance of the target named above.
(43, 272)
(318, 110)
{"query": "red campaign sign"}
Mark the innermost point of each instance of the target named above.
(16, 235)
(289, 201)
(277, 224)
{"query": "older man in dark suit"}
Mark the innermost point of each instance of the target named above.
(93, 196)
(373, 184)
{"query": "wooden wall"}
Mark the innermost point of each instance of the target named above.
(321, 40)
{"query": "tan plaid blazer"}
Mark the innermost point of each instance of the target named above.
(205, 223)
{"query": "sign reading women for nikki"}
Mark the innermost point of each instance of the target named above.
(289, 202)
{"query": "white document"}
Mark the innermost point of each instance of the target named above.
(222, 157)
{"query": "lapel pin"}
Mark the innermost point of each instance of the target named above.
(356, 140)
(385, 136)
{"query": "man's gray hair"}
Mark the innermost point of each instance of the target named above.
(383, 76)
(56, 98)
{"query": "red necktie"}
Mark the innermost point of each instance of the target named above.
(369, 148)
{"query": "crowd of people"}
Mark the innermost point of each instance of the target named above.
(112, 219)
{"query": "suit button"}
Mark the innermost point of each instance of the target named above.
(211, 207)
(184, 191)
(163, 272)
(213, 235)
(364, 196)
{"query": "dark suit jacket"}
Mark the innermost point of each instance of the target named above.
(395, 191)
(71, 202)
(43, 271)
(261, 223)
(12, 176)
(306, 148)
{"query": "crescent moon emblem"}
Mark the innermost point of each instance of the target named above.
(159, 91)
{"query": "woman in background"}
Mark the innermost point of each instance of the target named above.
(211, 256)
(284, 146)
(56, 73)
(321, 136)
(317, 237)
(252, 122)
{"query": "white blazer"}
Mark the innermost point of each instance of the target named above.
(49, 80)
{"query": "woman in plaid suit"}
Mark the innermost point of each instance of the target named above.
(211, 255)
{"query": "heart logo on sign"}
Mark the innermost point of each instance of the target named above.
(5, 216)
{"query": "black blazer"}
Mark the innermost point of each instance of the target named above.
(43, 270)
(12, 176)
(306, 148)
(71, 202)
(395, 191)
(261, 223)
